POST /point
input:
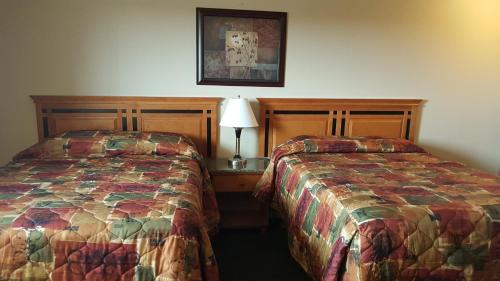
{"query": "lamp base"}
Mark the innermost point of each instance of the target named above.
(237, 163)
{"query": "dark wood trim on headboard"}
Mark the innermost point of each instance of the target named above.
(194, 117)
(284, 118)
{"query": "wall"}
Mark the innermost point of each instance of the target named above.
(445, 52)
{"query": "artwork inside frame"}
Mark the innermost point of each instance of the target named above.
(240, 47)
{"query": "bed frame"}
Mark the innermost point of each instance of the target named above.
(282, 119)
(194, 117)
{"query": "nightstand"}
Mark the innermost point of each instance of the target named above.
(234, 188)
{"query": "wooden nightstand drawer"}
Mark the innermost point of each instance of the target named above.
(235, 183)
(241, 201)
(241, 210)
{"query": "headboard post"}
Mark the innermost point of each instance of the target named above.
(282, 119)
(39, 121)
(194, 117)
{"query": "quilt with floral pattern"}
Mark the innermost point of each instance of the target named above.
(366, 209)
(101, 205)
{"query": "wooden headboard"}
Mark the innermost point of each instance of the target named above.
(194, 117)
(282, 119)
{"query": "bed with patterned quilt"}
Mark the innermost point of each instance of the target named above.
(102, 205)
(366, 209)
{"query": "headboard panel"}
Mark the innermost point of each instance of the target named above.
(282, 119)
(194, 117)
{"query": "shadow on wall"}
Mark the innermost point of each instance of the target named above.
(453, 155)
(256, 111)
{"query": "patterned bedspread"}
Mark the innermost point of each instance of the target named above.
(107, 206)
(380, 209)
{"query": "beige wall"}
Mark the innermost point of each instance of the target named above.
(444, 51)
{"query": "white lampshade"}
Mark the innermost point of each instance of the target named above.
(238, 114)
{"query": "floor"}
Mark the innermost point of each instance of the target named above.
(249, 255)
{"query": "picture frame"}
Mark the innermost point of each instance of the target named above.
(240, 47)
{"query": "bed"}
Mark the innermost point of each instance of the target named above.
(375, 208)
(107, 200)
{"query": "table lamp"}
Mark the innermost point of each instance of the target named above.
(238, 115)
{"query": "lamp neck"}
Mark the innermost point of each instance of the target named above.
(238, 132)
(238, 135)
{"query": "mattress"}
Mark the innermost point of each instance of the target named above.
(100, 205)
(382, 209)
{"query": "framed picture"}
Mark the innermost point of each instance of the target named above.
(240, 47)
